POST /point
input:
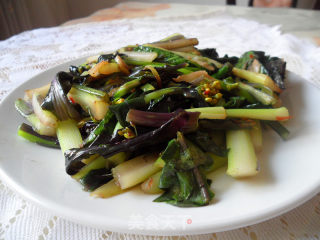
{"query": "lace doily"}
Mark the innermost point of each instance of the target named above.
(24, 55)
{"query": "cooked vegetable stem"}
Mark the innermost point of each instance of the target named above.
(68, 135)
(210, 112)
(273, 114)
(107, 190)
(135, 171)
(256, 78)
(174, 44)
(242, 160)
(27, 132)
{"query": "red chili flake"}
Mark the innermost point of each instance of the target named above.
(150, 182)
(72, 100)
(206, 92)
(251, 56)
(283, 118)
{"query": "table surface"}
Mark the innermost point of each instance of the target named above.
(301, 23)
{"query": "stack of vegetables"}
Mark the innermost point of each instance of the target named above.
(162, 115)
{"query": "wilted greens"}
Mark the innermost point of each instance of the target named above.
(160, 114)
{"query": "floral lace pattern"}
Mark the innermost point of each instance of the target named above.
(24, 55)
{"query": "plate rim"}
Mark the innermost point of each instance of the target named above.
(61, 210)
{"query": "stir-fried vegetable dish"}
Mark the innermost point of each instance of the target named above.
(161, 115)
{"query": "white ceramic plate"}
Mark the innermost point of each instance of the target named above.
(289, 176)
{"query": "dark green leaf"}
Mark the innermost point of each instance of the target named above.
(168, 176)
(235, 102)
(121, 110)
(184, 184)
(106, 125)
(224, 71)
(206, 143)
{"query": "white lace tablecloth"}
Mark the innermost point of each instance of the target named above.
(29, 53)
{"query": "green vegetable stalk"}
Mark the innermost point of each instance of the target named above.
(242, 160)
